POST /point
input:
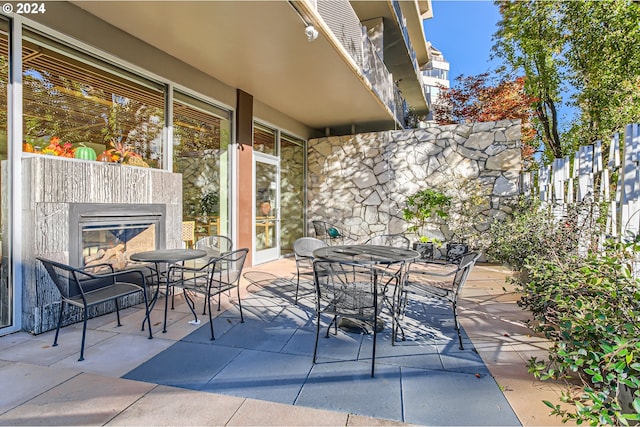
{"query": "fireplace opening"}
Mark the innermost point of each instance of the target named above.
(110, 234)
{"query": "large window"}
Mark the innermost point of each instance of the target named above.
(201, 138)
(72, 99)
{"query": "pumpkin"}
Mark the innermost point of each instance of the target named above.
(27, 148)
(104, 157)
(84, 152)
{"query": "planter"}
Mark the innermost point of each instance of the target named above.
(425, 249)
(625, 396)
(455, 250)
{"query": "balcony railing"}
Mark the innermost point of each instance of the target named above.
(346, 27)
(405, 34)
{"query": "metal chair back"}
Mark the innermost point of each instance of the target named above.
(441, 285)
(395, 240)
(82, 288)
(303, 251)
(345, 290)
(329, 232)
(223, 274)
(215, 245)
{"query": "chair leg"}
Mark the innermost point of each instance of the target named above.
(315, 347)
(208, 298)
(373, 354)
(117, 311)
(455, 323)
(240, 304)
(55, 340)
(84, 334)
(295, 301)
(191, 304)
(146, 306)
(333, 321)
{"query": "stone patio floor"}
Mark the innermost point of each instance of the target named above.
(183, 378)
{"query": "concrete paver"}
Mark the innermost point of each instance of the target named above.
(50, 387)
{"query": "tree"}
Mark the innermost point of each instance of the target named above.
(474, 99)
(586, 49)
(528, 40)
(604, 61)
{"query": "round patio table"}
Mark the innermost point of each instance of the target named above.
(366, 254)
(166, 256)
(369, 255)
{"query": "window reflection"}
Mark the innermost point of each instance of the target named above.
(72, 100)
(201, 137)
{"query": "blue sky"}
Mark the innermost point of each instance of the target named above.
(462, 31)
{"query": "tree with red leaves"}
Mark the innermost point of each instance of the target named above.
(475, 99)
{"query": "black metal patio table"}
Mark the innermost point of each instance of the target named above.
(366, 254)
(374, 256)
(166, 256)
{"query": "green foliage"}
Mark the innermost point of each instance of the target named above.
(589, 306)
(423, 206)
(531, 232)
(587, 49)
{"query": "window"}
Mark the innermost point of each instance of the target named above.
(264, 139)
(201, 138)
(73, 99)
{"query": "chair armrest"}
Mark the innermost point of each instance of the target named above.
(440, 274)
(109, 266)
(178, 267)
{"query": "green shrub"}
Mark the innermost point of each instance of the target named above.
(531, 231)
(590, 307)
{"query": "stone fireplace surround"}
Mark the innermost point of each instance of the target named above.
(51, 186)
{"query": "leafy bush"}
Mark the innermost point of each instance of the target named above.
(423, 206)
(531, 231)
(590, 308)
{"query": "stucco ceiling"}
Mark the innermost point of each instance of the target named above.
(259, 47)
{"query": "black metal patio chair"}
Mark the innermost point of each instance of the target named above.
(222, 274)
(303, 251)
(331, 233)
(345, 291)
(215, 245)
(82, 288)
(395, 240)
(441, 283)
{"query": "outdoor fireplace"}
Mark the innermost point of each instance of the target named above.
(110, 233)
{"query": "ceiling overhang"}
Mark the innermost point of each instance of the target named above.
(399, 61)
(259, 47)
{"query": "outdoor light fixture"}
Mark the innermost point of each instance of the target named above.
(311, 33)
(309, 30)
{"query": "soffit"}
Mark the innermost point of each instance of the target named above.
(259, 47)
(397, 59)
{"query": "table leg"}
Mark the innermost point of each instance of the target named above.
(155, 296)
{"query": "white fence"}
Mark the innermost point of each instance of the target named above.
(588, 177)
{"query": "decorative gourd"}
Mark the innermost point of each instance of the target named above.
(104, 157)
(84, 152)
(27, 148)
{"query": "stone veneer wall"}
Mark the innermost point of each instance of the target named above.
(362, 181)
(49, 185)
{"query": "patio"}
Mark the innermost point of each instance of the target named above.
(183, 378)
